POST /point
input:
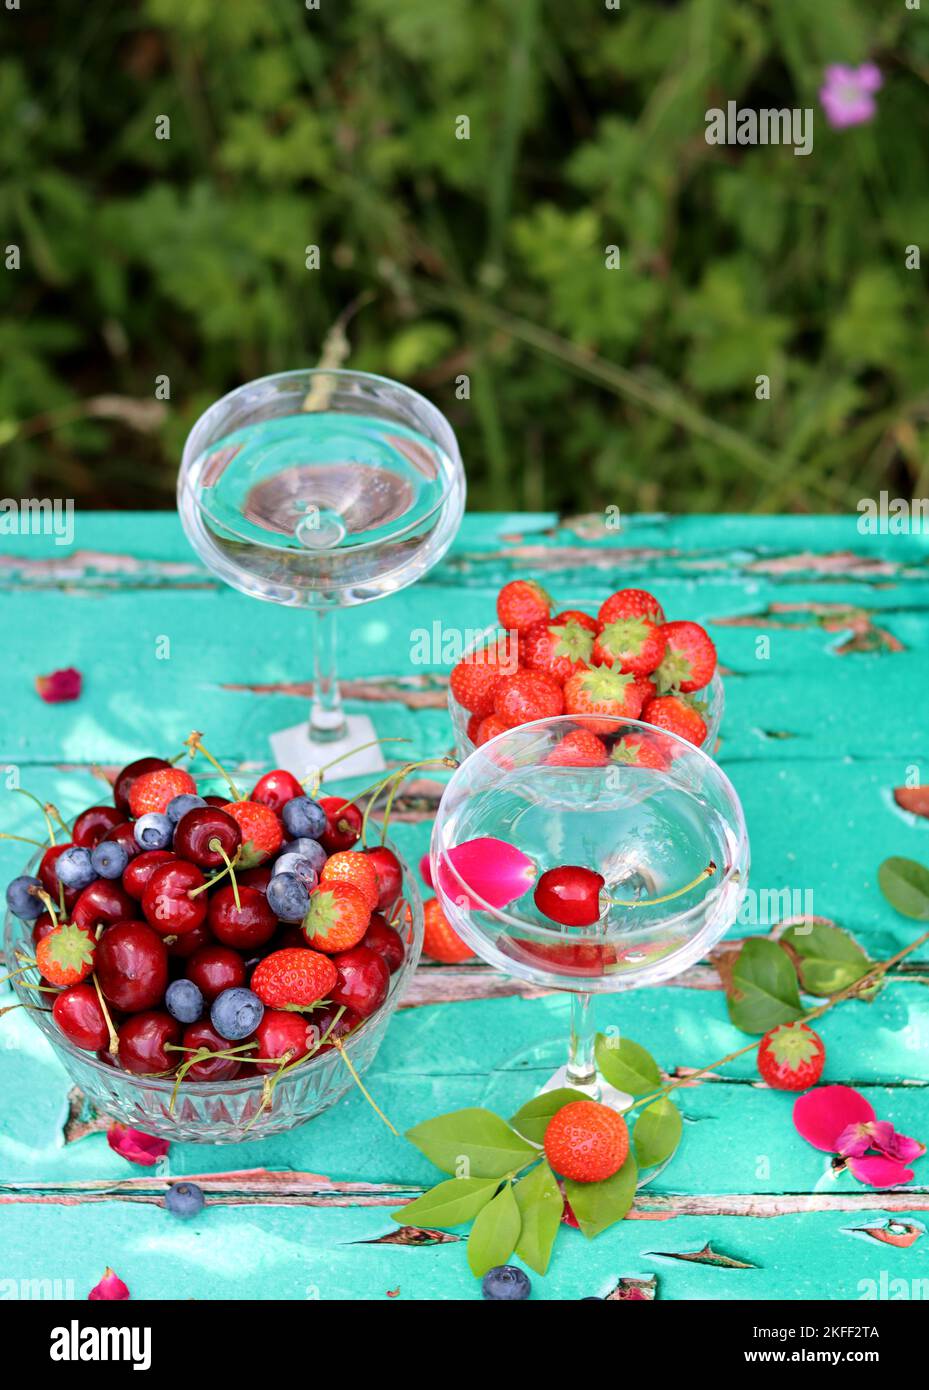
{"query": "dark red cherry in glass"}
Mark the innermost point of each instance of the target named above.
(385, 940)
(137, 873)
(45, 924)
(199, 828)
(343, 823)
(363, 980)
(132, 966)
(389, 875)
(166, 901)
(215, 968)
(189, 941)
(143, 1039)
(92, 824)
(569, 895)
(214, 800)
(276, 788)
(78, 1014)
(124, 834)
(244, 927)
(281, 1033)
(103, 901)
(127, 776)
(202, 1034)
(321, 1020)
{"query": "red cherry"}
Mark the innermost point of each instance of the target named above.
(49, 877)
(322, 1019)
(142, 1041)
(259, 878)
(245, 927)
(389, 875)
(363, 980)
(276, 788)
(215, 968)
(139, 871)
(78, 1014)
(124, 834)
(281, 1032)
(343, 823)
(103, 901)
(184, 945)
(196, 831)
(132, 966)
(42, 926)
(214, 800)
(127, 776)
(166, 901)
(385, 940)
(570, 895)
(92, 824)
(211, 1068)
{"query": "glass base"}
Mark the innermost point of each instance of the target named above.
(297, 752)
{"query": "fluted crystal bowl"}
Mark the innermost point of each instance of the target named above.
(222, 1112)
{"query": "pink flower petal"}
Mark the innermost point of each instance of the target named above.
(878, 1171)
(898, 1147)
(823, 1114)
(869, 77)
(497, 872)
(110, 1288)
(59, 685)
(425, 872)
(135, 1146)
(854, 1141)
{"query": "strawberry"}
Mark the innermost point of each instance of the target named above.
(489, 728)
(574, 615)
(557, 649)
(580, 748)
(527, 695)
(293, 978)
(66, 955)
(474, 723)
(337, 917)
(637, 644)
(439, 940)
(677, 716)
(522, 603)
(791, 1057)
(690, 659)
(474, 680)
(153, 790)
(636, 750)
(349, 866)
(262, 832)
(586, 1141)
(603, 690)
(630, 603)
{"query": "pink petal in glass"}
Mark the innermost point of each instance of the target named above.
(497, 872)
(111, 1288)
(877, 1171)
(135, 1146)
(824, 1114)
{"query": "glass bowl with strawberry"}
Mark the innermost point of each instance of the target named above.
(212, 967)
(588, 854)
(623, 659)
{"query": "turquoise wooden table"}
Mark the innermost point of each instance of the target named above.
(823, 720)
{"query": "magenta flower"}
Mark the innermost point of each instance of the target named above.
(111, 1288)
(847, 95)
(840, 1121)
(135, 1146)
(497, 872)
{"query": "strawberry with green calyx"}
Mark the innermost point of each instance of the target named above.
(575, 615)
(521, 604)
(579, 748)
(630, 603)
(690, 659)
(557, 649)
(637, 750)
(791, 1057)
(676, 715)
(293, 978)
(525, 696)
(262, 833)
(66, 955)
(603, 690)
(637, 645)
(337, 917)
(351, 866)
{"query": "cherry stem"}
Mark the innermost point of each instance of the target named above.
(36, 1008)
(49, 906)
(229, 869)
(195, 745)
(98, 772)
(396, 776)
(267, 1090)
(23, 839)
(317, 773)
(114, 1040)
(361, 1086)
(21, 791)
(708, 872)
(30, 965)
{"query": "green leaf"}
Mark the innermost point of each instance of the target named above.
(448, 1203)
(905, 885)
(494, 1233)
(474, 1140)
(540, 1206)
(598, 1205)
(657, 1132)
(830, 958)
(532, 1119)
(764, 990)
(626, 1065)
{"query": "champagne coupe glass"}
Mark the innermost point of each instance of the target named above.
(665, 832)
(322, 489)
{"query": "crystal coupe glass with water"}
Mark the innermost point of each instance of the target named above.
(320, 490)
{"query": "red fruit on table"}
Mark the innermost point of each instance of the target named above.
(166, 901)
(574, 615)
(586, 1141)
(635, 645)
(284, 1034)
(215, 968)
(294, 977)
(203, 1034)
(351, 866)
(385, 940)
(440, 941)
(92, 825)
(189, 942)
(261, 831)
(557, 649)
(132, 966)
(124, 779)
(102, 902)
(363, 980)
(78, 1014)
(602, 691)
(196, 831)
(343, 823)
(630, 603)
(579, 748)
(521, 603)
(142, 1040)
(124, 834)
(525, 696)
(389, 876)
(690, 659)
(276, 788)
(65, 956)
(673, 714)
(337, 917)
(139, 870)
(153, 790)
(244, 927)
(570, 895)
(791, 1057)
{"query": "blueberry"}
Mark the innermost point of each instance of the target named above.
(307, 849)
(184, 1001)
(179, 805)
(184, 1198)
(21, 901)
(303, 816)
(505, 1282)
(74, 867)
(288, 897)
(236, 1013)
(109, 858)
(153, 831)
(296, 866)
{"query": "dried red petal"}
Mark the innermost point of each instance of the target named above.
(135, 1146)
(59, 685)
(111, 1288)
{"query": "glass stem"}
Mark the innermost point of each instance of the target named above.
(327, 718)
(581, 1071)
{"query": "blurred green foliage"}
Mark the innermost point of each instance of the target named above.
(482, 257)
